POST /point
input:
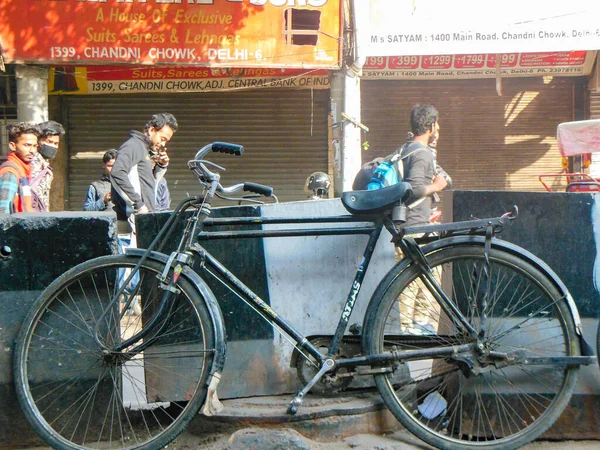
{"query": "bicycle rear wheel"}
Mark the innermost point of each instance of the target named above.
(78, 396)
(470, 399)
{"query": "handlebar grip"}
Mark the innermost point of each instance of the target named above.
(226, 147)
(261, 189)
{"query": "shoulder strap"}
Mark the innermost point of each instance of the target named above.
(16, 170)
(39, 177)
(415, 148)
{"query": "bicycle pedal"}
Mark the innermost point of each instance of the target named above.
(295, 404)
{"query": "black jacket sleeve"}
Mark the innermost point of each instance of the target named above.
(126, 162)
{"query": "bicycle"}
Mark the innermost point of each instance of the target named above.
(494, 366)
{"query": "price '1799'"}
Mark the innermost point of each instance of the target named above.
(62, 52)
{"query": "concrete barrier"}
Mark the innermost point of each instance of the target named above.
(305, 279)
(564, 230)
(43, 247)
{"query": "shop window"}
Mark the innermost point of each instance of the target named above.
(301, 26)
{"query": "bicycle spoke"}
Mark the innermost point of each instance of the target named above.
(469, 398)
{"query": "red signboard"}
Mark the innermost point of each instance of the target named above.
(79, 80)
(233, 33)
(479, 65)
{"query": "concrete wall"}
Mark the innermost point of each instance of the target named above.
(305, 279)
(43, 247)
(564, 230)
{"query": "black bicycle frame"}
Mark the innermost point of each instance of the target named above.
(227, 278)
(367, 225)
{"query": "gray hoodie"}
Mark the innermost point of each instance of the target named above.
(132, 177)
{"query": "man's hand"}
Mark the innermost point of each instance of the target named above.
(163, 157)
(142, 210)
(440, 183)
(107, 197)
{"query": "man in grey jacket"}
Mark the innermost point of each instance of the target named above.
(420, 165)
(133, 176)
(419, 314)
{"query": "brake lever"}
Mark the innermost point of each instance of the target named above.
(511, 215)
(210, 163)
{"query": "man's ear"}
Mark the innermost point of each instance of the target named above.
(12, 146)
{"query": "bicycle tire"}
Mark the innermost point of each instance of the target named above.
(598, 343)
(77, 397)
(443, 401)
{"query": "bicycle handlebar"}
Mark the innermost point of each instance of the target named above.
(198, 165)
(220, 147)
(261, 189)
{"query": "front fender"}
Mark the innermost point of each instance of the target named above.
(211, 302)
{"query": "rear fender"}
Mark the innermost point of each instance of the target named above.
(508, 247)
(517, 251)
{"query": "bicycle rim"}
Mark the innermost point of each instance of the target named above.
(469, 401)
(78, 396)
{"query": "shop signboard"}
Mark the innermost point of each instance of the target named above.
(230, 33)
(80, 80)
(481, 65)
(458, 27)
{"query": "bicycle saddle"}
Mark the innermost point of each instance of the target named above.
(378, 200)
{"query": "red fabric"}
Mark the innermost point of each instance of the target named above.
(20, 204)
(25, 168)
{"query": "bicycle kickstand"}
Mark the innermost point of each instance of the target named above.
(328, 365)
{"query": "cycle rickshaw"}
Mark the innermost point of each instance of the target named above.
(580, 139)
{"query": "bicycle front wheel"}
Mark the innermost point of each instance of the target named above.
(77, 394)
(474, 398)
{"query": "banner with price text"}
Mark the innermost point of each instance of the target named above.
(229, 33)
(456, 27)
(481, 65)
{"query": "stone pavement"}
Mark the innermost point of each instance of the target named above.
(358, 422)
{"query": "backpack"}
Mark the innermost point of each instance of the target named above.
(37, 205)
(383, 172)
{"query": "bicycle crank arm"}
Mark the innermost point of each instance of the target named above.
(328, 365)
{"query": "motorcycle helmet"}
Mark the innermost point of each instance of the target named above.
(318, 183)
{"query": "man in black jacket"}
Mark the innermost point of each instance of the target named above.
(133, 177)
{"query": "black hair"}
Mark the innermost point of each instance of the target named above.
(51, 128)
(158, 121)
(421, 118)
(110, 154)
(15, 130)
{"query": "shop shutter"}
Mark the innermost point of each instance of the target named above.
(284, 133)
(487, 141)
(595, 105)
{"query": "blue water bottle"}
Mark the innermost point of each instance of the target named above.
(385, 175)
